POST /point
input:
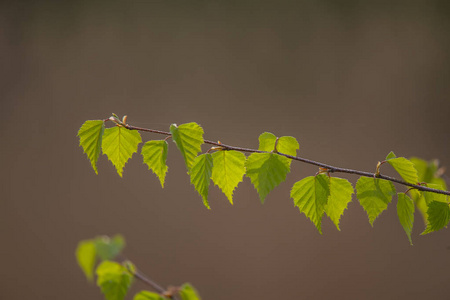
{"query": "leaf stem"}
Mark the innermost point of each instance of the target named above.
(332, 169)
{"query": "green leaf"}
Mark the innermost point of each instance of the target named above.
(107, 248)
(266, 171)
(391, 155)
(267, 142)
(201, 174)
(86, 256)
(286, 144)
(374, 195)
(188, 292)
(188, 138)
(228, 170)
(427, 172)
(341, 191)
(404, 167)
(119, 144)
(146, 295)
(114, 280)
(430, 196)
(311, 195)
(438, 216)
(422, 206)
(405, 212)
(155, 156)
(91, 133)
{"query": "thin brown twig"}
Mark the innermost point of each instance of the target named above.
(332, 169)
(152, 284)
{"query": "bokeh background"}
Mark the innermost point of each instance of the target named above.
(350, 80)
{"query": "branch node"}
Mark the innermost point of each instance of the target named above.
(323, 170)
(275, 150)
(411, 188)
(171, 292)
(377, 172)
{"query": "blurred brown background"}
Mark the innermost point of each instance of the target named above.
(350, 81)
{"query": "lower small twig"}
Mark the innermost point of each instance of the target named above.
(154, 285)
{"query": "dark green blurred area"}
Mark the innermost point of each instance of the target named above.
(351, 80)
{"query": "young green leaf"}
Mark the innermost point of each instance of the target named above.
(188, 292)
(155, 156)
(427, 172)
(391, 155)
(438, 216)
(267, 142)
(421, 205)
(146, 295)
(404, 167)
(91, 133)
(188, 138)
(341, 191)
(374, 195)
(201, 174)
(107, 248)
(119, 144)
(311, 195)
(286, 144)
(114, 280)
(430, 196)
(228, 170)
(86, 256)
(266, 171)
(405, 212)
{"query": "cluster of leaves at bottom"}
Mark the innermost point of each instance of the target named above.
(315, 196)
(115, 279)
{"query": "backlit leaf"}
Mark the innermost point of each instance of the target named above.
(427, 172)
(86, 256)
(374, 195)
(109, 248)
(228, 170)
(114, 280)
(267, 142)
(201, 174)
(341, 191)
(405, 212)
(188, 292)
(404, 167)
(310, 196)
(286, 144)
(391, 155)
(430, 196)
(188, 138)
(266, 171)
(146, 295)
(155, 156)
(119, 144)
(90, 134)
(421, 205)
(438, 216)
